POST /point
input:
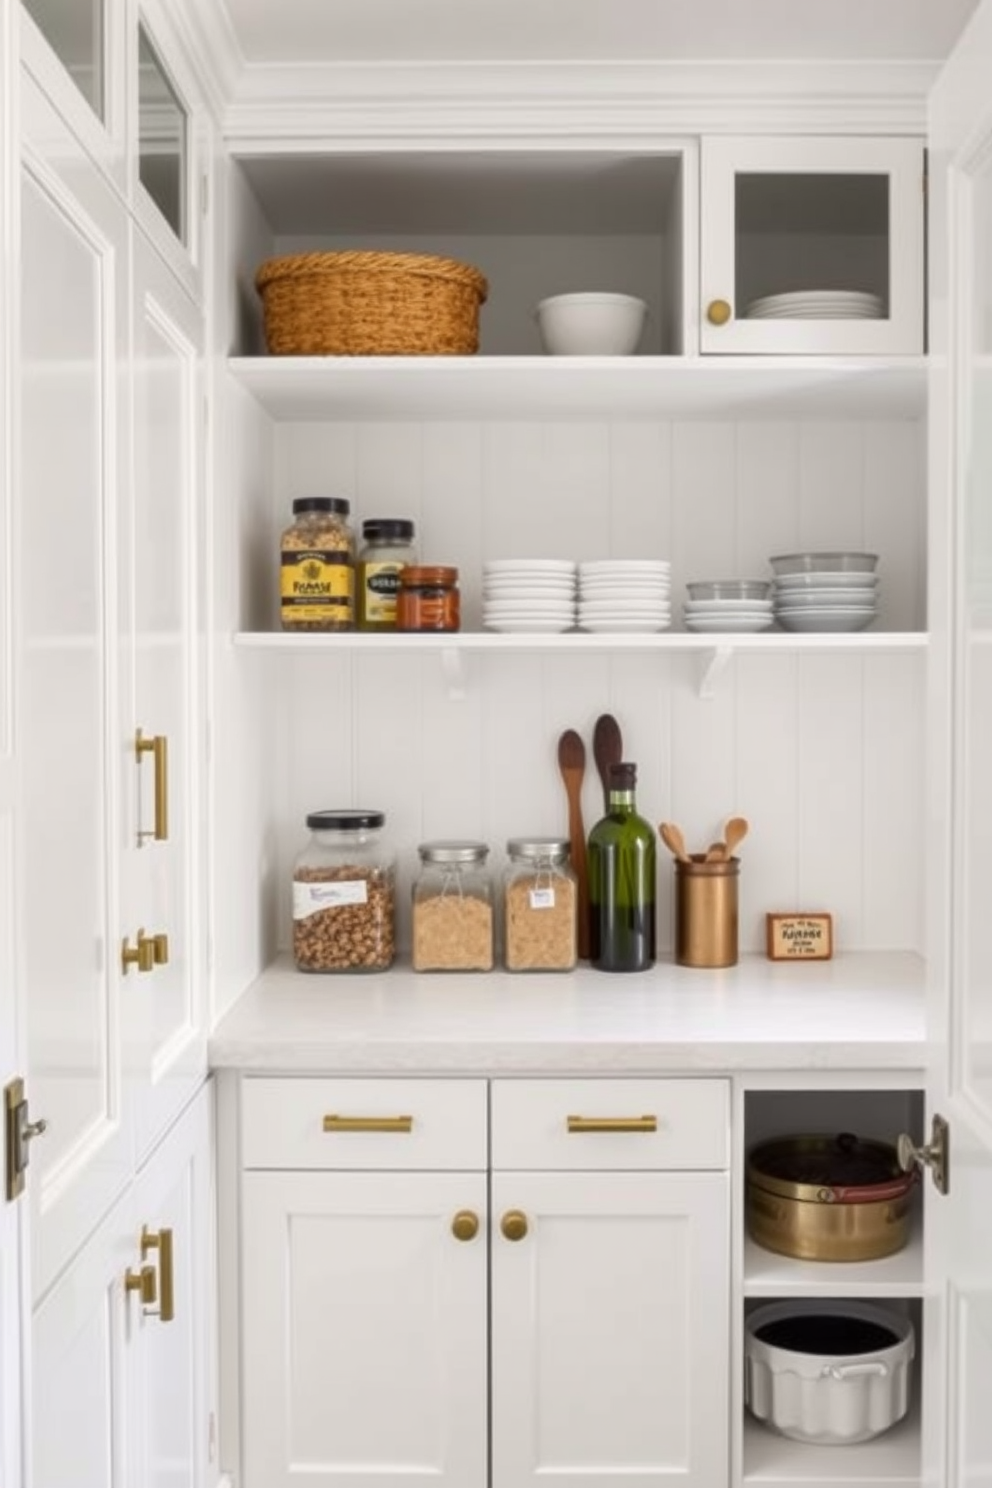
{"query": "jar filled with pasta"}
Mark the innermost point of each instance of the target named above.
(539, 905)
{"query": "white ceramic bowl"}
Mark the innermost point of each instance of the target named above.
(794, 563)
(591, 324)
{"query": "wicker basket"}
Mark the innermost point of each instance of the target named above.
(370, 304)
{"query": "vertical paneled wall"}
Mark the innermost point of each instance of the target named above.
(822, 752)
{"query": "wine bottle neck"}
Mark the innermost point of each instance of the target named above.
(621, 800)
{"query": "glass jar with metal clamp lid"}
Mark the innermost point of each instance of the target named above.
(453, 908)
(539, 905)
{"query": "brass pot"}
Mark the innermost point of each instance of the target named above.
(828, 1198)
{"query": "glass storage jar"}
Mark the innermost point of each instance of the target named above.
(428, 599)
(453, 908)
(317, 566)
(387, 548)
(344, 901)
(539, 905)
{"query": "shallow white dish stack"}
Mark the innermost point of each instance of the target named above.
(728, 606)
(825, 591)
(816, 304)
(528, 594)
(625, 594)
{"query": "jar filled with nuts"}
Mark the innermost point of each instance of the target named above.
(453, 908)
(317, 566)
(344, 894)
(539, 905)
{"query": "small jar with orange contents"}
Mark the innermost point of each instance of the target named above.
(428, 599)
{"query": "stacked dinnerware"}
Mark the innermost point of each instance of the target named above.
(625, 594)
(728, 605)
(528, 594)
(816, 304)
(825, 591)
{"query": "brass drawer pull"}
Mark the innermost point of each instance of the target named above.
(161, 1240)
(612, 1123)
(334, 1123)
(158, 748)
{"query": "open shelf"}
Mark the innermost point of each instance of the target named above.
(573, 642)
(613, 388)
(891, 1460)
(769, 1275)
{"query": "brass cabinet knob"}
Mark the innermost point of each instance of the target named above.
(141, 955)
(514, 1224)
(465, 1225)
(144, 1282)
(718, 312)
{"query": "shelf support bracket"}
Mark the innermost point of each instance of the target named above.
(454, 670)
(713, 665)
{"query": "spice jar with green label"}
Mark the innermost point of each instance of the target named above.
(317, 566)
(387, 548)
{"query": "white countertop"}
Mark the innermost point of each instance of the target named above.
(860, 1011)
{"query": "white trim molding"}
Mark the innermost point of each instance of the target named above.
(394, 105)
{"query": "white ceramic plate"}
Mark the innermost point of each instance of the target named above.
(825, 580)
(529, 566)
(826, 599)
(623, 567)
(715, 625)
(632, 607)
(628, 625)
(801, 620)
(514, 588)
(625, 591)
(728, 606)
(536, 624)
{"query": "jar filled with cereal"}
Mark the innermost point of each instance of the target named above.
(344, 909)
(453, 908)
(539, 905)
(317, 566)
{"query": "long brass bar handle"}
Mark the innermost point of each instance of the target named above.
(158, 747)
(161, 1240)
(334, 1123)
(612, 1123)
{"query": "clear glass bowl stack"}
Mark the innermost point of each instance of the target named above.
(825, 591)
(725, 606)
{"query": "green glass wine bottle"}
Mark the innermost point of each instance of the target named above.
(621, 865)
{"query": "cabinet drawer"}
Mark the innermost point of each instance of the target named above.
(311, 1123)
(583, 1124)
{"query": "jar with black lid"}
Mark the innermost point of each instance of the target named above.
(387, 548)
(344, 897)
(317, 566)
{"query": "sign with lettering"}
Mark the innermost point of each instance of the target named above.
(799, 937)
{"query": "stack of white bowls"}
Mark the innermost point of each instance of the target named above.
(825, 591)
(728, 605)
(625, 594)
(528, 594)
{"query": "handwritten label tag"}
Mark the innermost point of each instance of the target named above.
(799, 937)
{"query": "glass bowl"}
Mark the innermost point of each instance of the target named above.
(729, 589)
(793, 563)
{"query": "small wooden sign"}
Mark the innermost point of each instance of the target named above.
(799, 937)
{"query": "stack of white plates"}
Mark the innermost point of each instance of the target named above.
(826, 601)
(528, 594)
(710, 616)
(624, 594)
(817, 304)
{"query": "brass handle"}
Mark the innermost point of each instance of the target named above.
(514, 1224)
(465, 1225)
(334, 1123)
(612, 1123)
(718, 312)
(158, 746)
(161, 1240)
(160, 950)
(141, 955)
(142, 1282)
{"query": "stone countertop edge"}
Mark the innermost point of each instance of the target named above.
(862, 1011)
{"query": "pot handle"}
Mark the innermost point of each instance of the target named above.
(854, 1371)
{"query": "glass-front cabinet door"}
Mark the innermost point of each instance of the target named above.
(162, 138)
(812, 245)
(75, 32)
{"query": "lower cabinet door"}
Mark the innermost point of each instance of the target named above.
(364, 1304)
(610, 1329)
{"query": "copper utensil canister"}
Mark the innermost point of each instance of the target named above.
(828, 1198)
(706, 911)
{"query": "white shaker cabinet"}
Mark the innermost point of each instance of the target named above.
(812, 245)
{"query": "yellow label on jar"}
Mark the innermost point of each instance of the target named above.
(317, 586)
(380, 584)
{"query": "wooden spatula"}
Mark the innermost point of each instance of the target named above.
(607, 750)
(572, 765)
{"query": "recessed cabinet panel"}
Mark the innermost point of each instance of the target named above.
(812, 245)
(73, 327)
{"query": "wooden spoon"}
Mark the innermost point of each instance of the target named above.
(733, 835)
(572, 765)
(607, 749)
(671, 836)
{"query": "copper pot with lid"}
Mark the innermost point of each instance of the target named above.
(828, 1198)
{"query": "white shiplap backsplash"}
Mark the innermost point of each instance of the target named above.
(822, 752)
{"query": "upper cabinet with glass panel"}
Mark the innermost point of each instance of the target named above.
(163, 125)
(74, 29)
(812, 245)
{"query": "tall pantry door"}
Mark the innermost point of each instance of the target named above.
(958, 1325)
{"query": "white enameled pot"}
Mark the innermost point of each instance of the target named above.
(828, 1372)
